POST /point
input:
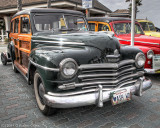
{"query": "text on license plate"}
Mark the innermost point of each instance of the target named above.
(121, 96)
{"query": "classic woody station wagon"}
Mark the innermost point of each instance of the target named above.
(70, 66)
(122, 30)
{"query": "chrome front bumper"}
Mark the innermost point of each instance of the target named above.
(99, 96)
(151, 71)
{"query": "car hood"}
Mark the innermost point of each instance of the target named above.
(141, 39)
(149, 33)
(98, 40)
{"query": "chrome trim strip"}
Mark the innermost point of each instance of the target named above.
(43, 67)
(106, 74)
(151, 71)
(58, 42)
(107, 70)
(106, 65)
(87, 90)
(139, 42)
(68, 101)
(105, 82)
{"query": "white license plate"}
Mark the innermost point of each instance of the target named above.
(121, 96)
(156, 62)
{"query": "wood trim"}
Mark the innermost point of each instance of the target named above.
(105, 24)
(24, 70)
(22, 43)
(96, 25)
(24, 50)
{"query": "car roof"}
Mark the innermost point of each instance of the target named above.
(106, 19)
(46, 10)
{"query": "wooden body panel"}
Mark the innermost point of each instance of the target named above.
(22, 44)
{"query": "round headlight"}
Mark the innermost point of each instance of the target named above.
(68, 68)
(150, 54)
(140, 60)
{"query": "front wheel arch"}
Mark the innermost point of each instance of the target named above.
(39, 90)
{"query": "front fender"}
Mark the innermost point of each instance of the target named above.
(47, 61)
(129, 52)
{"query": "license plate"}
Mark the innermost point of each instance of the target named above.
(121, 96)
(156, 62)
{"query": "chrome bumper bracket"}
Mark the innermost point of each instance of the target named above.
(100, 96)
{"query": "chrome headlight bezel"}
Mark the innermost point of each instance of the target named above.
(63, 64)
(149, 56)
(140, 56)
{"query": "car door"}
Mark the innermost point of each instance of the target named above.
(14, 38)
(24, 38)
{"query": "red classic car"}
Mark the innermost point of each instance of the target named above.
(122, 30)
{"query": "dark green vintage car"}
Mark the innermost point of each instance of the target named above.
(70, 66)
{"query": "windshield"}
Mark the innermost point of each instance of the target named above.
(59, 22)
(144, 26)
(125, 28)
(151, 26)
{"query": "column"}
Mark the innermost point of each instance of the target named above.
(7, 20)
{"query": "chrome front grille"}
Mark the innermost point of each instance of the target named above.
(109, 75)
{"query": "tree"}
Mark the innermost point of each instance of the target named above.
(138, 3)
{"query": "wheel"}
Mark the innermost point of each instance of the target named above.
(3, 59)
(39, 92)
(14, 68)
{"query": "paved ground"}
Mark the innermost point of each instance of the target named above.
(3, 47)
(18, 108)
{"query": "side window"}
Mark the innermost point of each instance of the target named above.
(91, 26)
(144, 26)
(16, 25)
(151, 26)
(11, 27)
(103, 27)
(25, 25)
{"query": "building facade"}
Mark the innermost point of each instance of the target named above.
(9, 7)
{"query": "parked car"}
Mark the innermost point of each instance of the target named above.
(149, 28)
(157, 29)
(70, 66)
(122, 30)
